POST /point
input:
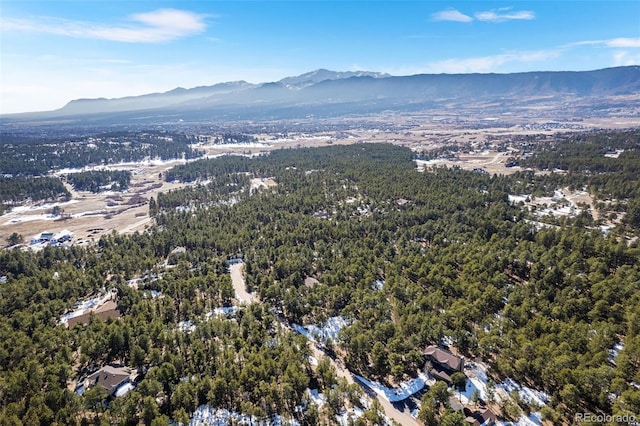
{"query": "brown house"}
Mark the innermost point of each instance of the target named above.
(441, 363)
(107, 310)
(481, 417)
(110, 378)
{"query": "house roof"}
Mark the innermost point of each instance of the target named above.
(441, 374)
(483, 416)
(107, 306)
(444, 358)
(109, 377)
(103, 313)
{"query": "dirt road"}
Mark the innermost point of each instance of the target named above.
(242, 296)
(401, 417)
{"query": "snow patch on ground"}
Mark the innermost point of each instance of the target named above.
(151, 293)
(422, 165)
(402, 392)
(534, 419)
(348, 416)
(206, 415)
(189, 326)
(528, 395)
(477, 379)
(186, 326)
(613, 353)
(19, 210)
(227, 311)
(316, 397)
(377, 285)
(30, 218)
(614, 154)
(322, 334)
(557, 211)
(446, 341)
(241, 145)
(124, 389)
(515, 199)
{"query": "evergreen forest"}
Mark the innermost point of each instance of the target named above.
(542, 301)
(100, 180)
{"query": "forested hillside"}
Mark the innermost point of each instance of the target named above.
(408, 258)
(28, 156)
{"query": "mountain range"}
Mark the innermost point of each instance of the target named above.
(324, 93)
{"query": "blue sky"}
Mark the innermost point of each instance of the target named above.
(54, 51)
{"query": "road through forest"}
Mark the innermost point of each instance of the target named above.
(243, 297)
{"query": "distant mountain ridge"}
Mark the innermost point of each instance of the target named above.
(322, 74)
(326, 92)
(152, 100)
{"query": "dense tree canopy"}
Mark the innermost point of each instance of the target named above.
(15, 190)
(541, 304)
(99, 180)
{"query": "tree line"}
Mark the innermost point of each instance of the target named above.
(17, 190)
(38, 157)
(100, 180)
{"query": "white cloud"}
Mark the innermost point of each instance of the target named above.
(624, 42)
(496, 15)
(152, 27)
(502, 15)
(492, 63)
(624, 58)
(451, 15)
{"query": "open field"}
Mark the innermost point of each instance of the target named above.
(89, 215)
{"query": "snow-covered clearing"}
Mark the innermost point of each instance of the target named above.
(528, 395)
(206, 415)
(345, 417)
(402, 392)
(533, 419)
(477, 379)
(123, 165)
(189, 326)
(423, 164)
(563, 203)
(240, 145)
(316, 397)
(30, 218)
(21, 210)
(515, 199)
(297, 138)
(228, 311)
(322, 334)
(348, 416)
